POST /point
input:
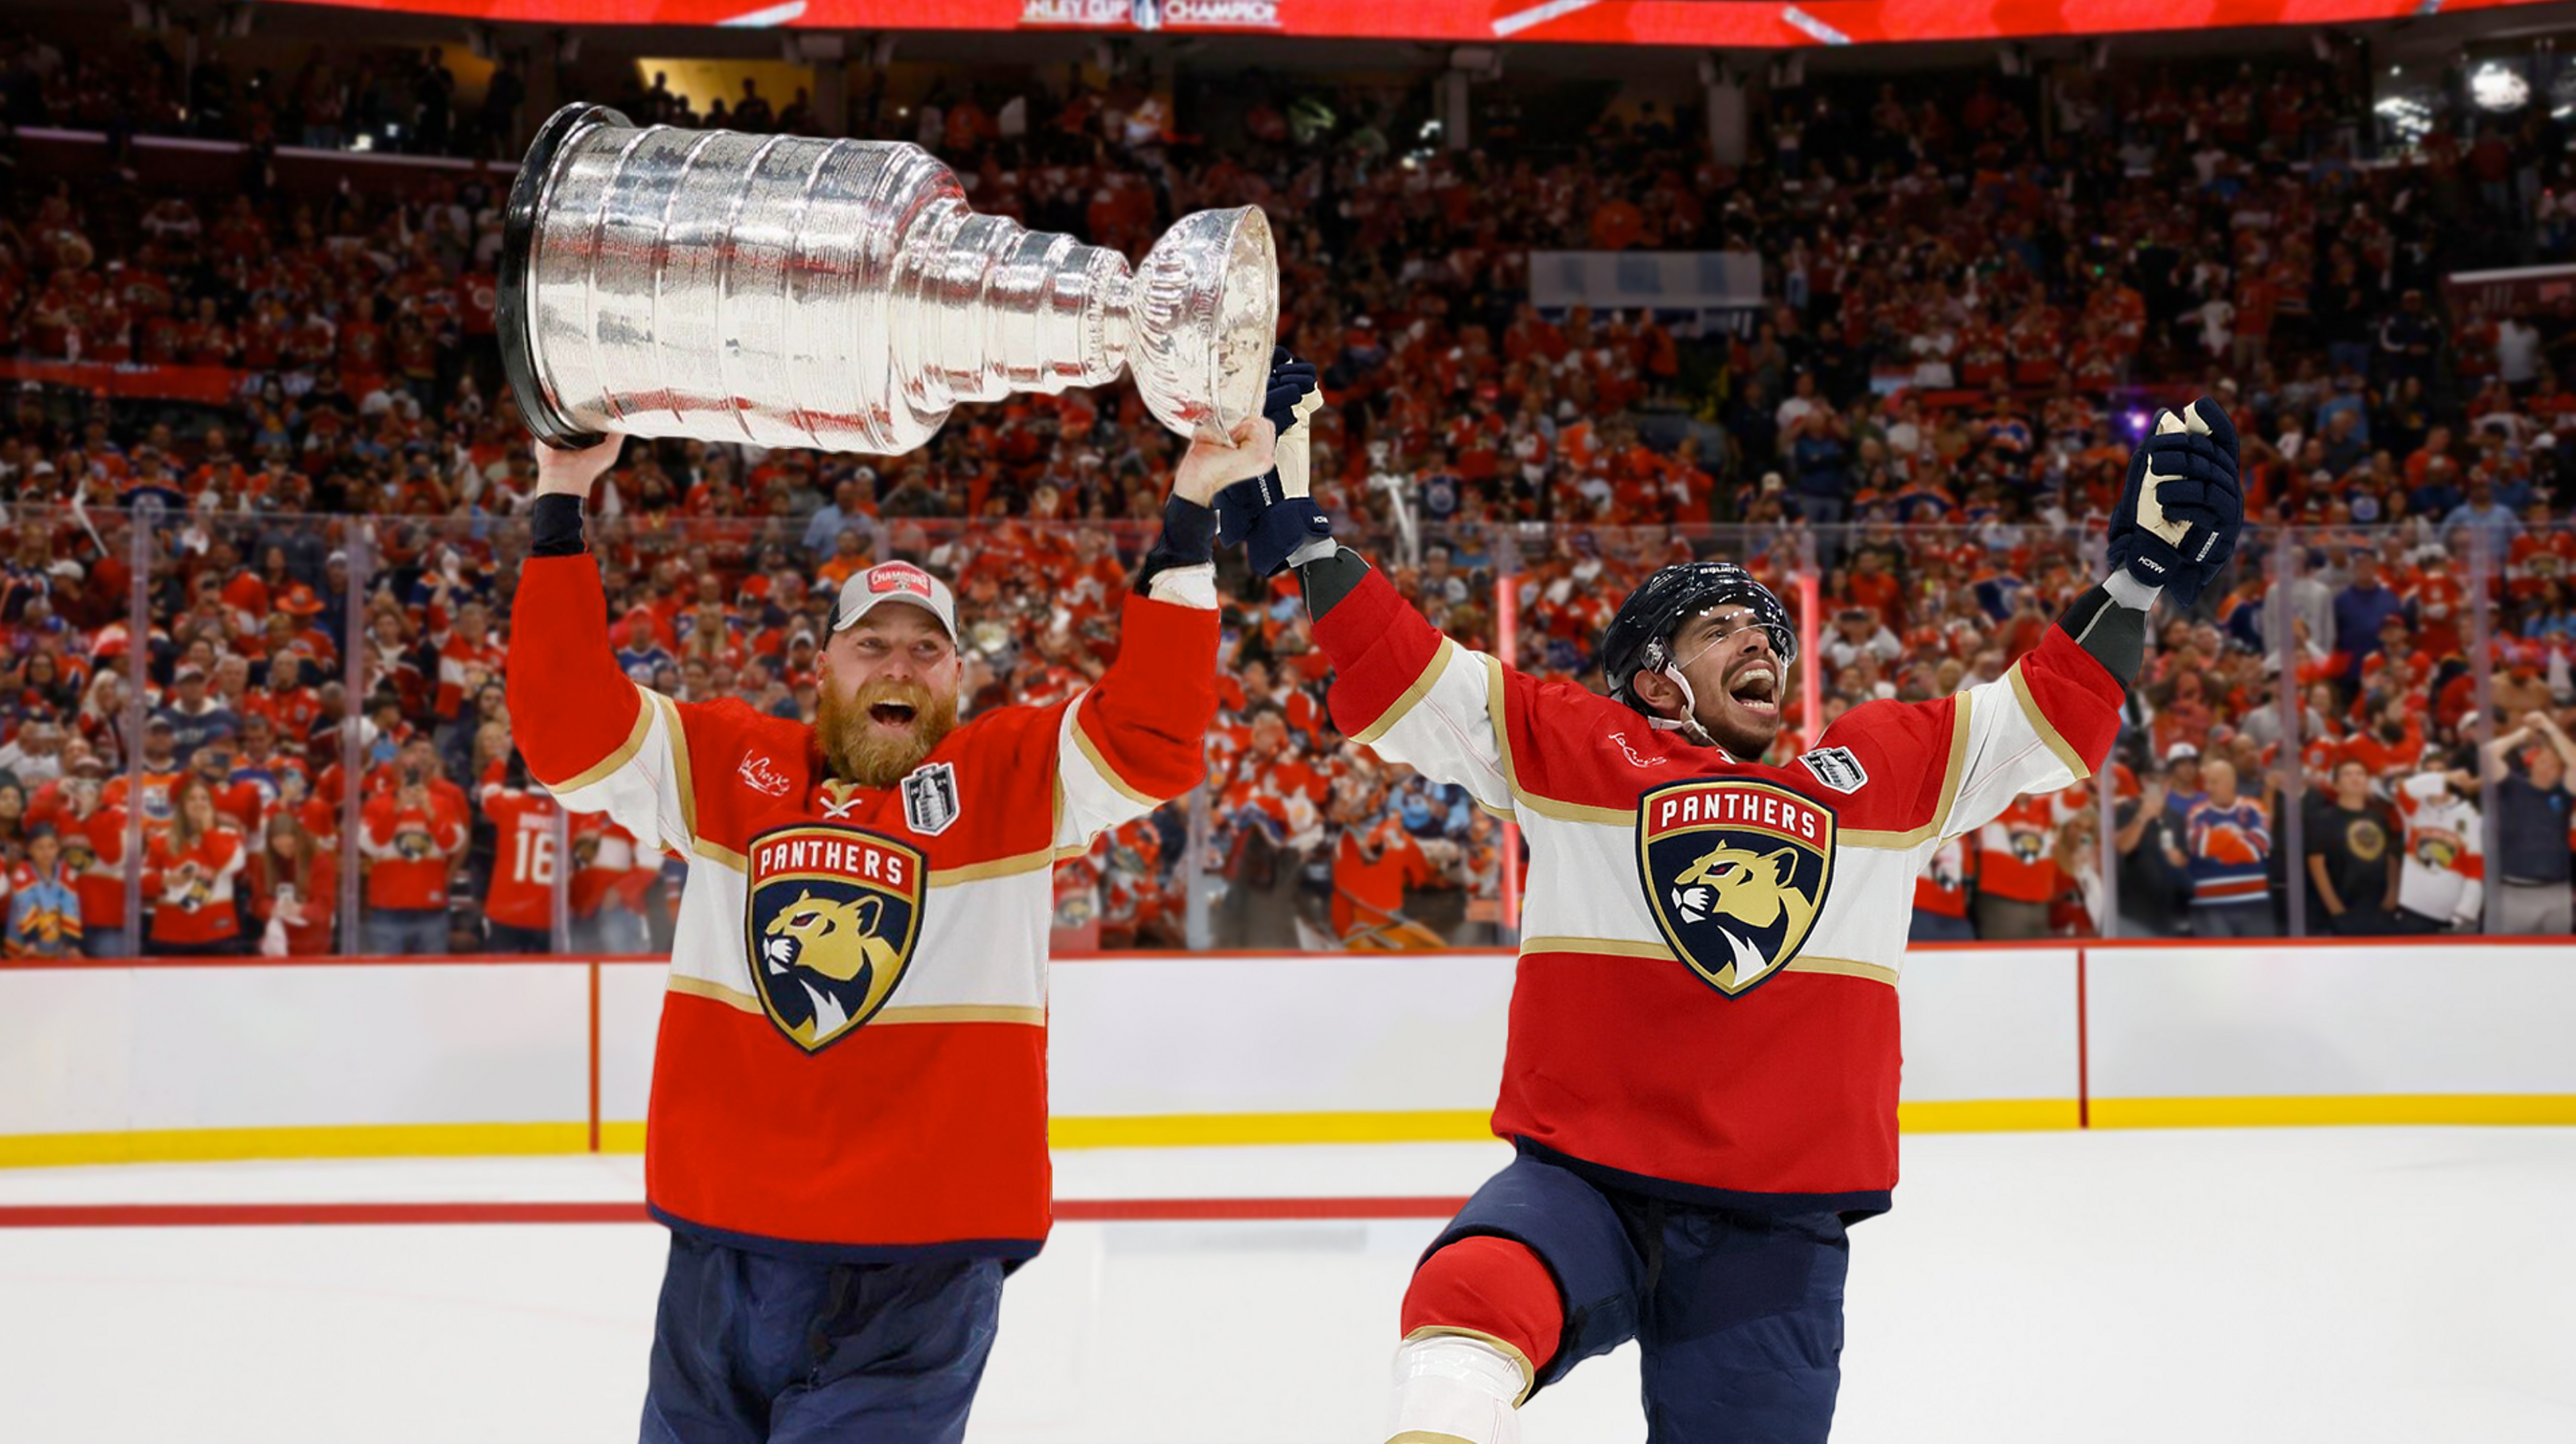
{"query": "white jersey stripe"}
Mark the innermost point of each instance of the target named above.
(983, 942)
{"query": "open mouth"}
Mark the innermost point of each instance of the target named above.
(1756, 689)
(898, 715)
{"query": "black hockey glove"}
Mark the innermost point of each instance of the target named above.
(1271, 514)
(2178, 517)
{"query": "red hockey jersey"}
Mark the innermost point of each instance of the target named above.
(522, 890)
(1706, 1001)
(852, 1059)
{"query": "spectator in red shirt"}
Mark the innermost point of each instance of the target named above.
(188, 879)
(409, 837)
(519, 902)
(294, 890)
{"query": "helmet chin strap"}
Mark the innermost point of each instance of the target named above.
(1688, 723)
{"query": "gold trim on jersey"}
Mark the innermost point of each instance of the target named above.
(624, 754)
(961, 1013)
(678, 742)
(1661, 953)
(1012, 866)
(2046, 729)
(717, 852)
(1412, 697)
(1543, 806)
(928, 1013)
(715, 992)
(1529, 1375)
(1952, 773)
(1842, 968)
(1614, 947)
(1100, 764)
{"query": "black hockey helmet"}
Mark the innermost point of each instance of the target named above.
(1640, 637)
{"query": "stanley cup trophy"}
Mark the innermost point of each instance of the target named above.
(839, 295)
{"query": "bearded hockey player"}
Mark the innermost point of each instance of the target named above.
(1701, 1074)
(848, 1121)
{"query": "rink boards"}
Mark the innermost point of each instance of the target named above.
(250, 1058)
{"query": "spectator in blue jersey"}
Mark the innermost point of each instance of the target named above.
(2229, 839)
(2361, 608)
(195, 718)
(2481, 512)
(44, 911)
(847, 511)
(640, 652)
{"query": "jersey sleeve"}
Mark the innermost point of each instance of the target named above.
(2045, 724)
(598, 742)
(1415, 696)
(1138, 738)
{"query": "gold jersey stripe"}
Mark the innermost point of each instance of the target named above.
(2046, 729)
(1108, 774)
(1012, 866)
(1842, 968)
(1412, 697)
(678, 742)
(1951, 775)
(714, 992)
(1543, 806)
(928, 1013)
(1615, 947)
(624, 754)
(1659, 952)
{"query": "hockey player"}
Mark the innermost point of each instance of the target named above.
(1701, 1074)
(847, 1128)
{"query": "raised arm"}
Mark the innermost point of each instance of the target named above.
(2052, 718)
(1138, 738)
(1399, 686)
(596, 740)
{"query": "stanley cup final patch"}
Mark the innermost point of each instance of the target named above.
(830, 917)
(930, 798)
(1837, 768)
(1735, 872)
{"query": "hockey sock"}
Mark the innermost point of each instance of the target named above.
(1490, 1289)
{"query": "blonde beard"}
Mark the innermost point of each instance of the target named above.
(857, 752)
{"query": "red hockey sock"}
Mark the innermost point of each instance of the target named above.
(1488, 1286)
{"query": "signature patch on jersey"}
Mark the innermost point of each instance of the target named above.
(831, 917)
(1735, 871)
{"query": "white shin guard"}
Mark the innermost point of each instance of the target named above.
(1450, 1389)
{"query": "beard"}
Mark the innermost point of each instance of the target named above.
(860, 748)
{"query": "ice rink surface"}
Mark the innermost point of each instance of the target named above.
(2345, 1285)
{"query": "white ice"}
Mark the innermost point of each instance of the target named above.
(2351, 1285)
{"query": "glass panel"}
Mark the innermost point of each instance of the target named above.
(1300, 838)
(2531, 684)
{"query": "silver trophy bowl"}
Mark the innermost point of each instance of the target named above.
(839, 295)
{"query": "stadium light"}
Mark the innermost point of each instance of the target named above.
(2499, 88)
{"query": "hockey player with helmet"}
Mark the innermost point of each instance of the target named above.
(1701, 1074)
(847, 1130)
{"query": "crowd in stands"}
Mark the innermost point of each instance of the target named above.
(1978, 306)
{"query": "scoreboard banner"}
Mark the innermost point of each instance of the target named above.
(1702, 23)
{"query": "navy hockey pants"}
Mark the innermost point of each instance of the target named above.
(750, 1348)
(1739, 1314)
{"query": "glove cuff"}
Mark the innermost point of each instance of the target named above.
(1282, 531)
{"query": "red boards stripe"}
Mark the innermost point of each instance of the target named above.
(1100, 1210)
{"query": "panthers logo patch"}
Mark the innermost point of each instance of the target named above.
(1736, 872)
(830, 923)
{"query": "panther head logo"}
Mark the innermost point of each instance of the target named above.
(1758, 890)
(837, 941)
(1736, 871)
